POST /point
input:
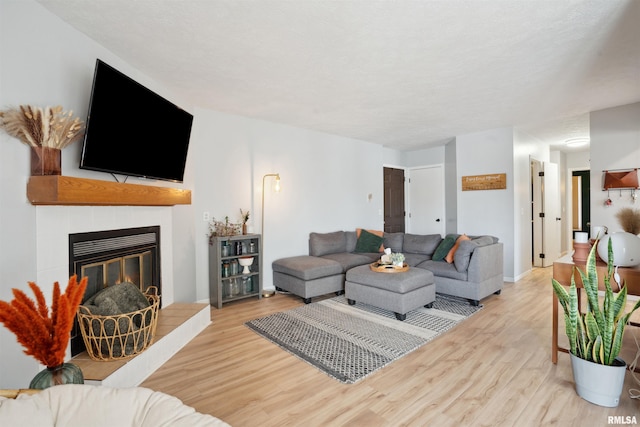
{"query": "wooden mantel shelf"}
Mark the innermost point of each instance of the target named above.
(71, 191)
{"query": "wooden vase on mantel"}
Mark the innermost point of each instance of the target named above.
(244, 228)
(46, 161)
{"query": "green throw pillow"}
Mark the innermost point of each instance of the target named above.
(368, 242)
(444, 247)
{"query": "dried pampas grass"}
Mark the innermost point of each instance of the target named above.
(629, 219)
(42, 127)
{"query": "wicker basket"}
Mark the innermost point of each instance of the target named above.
(119, 336)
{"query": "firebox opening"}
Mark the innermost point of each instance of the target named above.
(111, 257)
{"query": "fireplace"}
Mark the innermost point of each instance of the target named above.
(111, 257)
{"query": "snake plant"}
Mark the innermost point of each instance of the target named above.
(595, 335)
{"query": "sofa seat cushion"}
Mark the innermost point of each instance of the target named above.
(349, 260)
(307, 267)
(444, 269)
(401, 283)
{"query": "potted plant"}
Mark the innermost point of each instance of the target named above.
(595, 337)
(245, 218)
(397, 259)
(46, 130)
(45, 332)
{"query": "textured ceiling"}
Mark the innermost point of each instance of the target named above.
(404, 74)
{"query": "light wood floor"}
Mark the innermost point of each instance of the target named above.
(492, 370)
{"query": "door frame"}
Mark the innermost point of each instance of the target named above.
(568, 229)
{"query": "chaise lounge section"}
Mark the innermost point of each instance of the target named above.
(472, 270)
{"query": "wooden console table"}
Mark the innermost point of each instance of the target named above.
(562, 270)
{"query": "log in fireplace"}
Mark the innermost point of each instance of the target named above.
(111, 257)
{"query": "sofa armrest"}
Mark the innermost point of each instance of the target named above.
(486, 262)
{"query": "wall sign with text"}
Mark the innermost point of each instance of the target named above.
(493, 181)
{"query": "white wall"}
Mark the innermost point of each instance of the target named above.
(46, 62)
(325, 182)
(615, 144)
(489, 211)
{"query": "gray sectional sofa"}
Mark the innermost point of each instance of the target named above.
(475, 271)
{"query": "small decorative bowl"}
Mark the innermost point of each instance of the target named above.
(245, 262)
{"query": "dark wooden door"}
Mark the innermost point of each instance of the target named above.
(393, 200)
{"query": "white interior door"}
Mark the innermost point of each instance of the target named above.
(547, 221)
(552, 225)
(426, 200)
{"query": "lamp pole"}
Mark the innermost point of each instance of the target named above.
(277, 176)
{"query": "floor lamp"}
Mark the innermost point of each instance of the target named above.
(277, 188)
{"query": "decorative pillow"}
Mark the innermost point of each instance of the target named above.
(368, 242)
(449, 257)
(444, 247)
(425, 244)
(375, 232)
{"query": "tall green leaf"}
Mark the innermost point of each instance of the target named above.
(597, 354)
(596, 335)
(620, 303)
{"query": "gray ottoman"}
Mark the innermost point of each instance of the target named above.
(397, 292)
(308, 276)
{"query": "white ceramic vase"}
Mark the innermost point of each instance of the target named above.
(625, 246)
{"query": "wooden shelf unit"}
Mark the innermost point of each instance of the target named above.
(219, 283)
(71, 191)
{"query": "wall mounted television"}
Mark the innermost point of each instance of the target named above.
(132, 131)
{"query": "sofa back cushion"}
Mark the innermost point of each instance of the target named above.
(394, 241)
(352, 239)
(462, 256)
(327, 243)
(461, 238)
(425, 244)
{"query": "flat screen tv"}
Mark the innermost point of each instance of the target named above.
(133, 131)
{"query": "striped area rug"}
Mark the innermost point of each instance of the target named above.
(351, 342)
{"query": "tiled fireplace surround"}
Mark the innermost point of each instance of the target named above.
(55, 223)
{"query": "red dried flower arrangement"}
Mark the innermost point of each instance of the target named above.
(44, 336)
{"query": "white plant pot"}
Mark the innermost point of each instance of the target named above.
(599, 384)
(625, 246)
